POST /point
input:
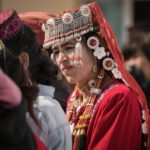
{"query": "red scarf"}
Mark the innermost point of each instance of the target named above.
(107, 33)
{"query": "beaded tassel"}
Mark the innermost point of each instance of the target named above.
(78, 53)
(79, 132)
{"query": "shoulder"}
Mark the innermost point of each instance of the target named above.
(119, 93)
(48, 105)
(120, 90)
(119, 99)
(49, 109)
(47, 101)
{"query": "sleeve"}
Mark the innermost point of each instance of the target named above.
(116, 124)
(10, 95)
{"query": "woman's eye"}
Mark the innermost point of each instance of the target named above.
(56, 53)
(69, 48)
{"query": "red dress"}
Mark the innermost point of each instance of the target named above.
(116, 121)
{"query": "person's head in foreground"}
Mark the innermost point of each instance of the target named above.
(86, 52)
(20, 39)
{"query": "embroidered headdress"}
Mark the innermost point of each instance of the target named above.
(10, 24)
(73, 24)
(69, 25)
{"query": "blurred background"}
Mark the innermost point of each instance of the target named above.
(124, 16)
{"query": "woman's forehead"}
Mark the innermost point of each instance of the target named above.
(63, 44)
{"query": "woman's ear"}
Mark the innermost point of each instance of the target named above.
(24, 59)
(95, 64)
(45, 52)
(95, 60)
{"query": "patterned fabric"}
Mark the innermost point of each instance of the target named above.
(67, 26)
(10, 24)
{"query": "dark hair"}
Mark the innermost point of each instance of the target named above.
(138, 41)
(11, 65)
(41, 68)
(47, 71)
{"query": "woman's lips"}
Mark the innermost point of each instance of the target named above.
(67, 69)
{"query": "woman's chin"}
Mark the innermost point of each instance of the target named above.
(71, 80)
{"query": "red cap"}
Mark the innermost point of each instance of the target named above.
(35, 20)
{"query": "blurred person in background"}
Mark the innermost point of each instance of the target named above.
(35, 20)
(137, 57)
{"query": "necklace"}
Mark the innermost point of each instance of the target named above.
(80, 106)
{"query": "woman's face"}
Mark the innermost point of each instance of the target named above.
(64, 54)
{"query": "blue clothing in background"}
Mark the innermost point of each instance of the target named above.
(55, 131)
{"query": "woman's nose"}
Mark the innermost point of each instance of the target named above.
(62, 56)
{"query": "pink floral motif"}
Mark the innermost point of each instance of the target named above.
(108, 63)
(93, 42)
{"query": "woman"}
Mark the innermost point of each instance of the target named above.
(107, 107)
(137, 57)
